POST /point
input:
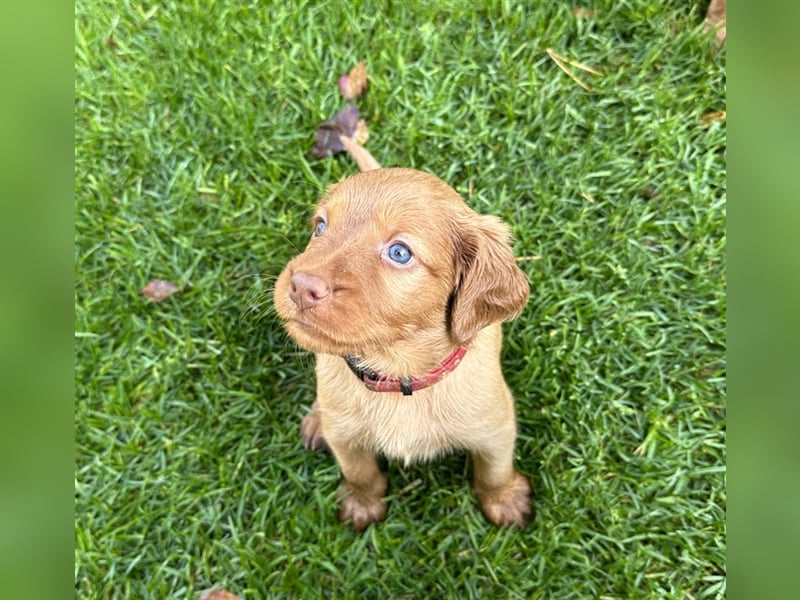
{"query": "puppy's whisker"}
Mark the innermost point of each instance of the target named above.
(258, 298)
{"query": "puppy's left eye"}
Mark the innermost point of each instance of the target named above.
(320, 228)
(399, 253)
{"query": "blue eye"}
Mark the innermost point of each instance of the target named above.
(399, 253)
(320, 228)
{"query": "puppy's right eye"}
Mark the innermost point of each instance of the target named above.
(320, 228)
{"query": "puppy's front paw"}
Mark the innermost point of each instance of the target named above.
(360, 509)
(510, 505)
(311, 430)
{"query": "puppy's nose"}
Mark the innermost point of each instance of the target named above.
(307, 290)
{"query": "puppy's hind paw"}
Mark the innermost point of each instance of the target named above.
(311, 430)
(510, 505)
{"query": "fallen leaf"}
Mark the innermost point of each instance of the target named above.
(219, 595)
(714, 115)
(584, 13)
(111, 43)
(347, 119)
(159, 290)
(354, 84)
(362, 133)
(345, 122)
(716, 20)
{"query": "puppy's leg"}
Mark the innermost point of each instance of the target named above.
(311, 430)
(364, 486)
(503, 493)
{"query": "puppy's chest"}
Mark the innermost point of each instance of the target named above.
(406, 428)
(409, 429)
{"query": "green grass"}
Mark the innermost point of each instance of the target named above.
(192, 164)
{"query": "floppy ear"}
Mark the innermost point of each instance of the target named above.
(490, 287)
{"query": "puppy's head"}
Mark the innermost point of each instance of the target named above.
(394, 253)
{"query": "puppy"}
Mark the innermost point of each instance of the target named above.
(400, 294)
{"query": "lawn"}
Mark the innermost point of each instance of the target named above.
(194, 124)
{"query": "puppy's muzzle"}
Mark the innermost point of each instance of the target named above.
(307, 290)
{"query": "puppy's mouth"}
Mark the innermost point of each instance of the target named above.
(305, 327)
(312, 336)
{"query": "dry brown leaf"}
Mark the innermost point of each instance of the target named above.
(219, 595)
(583, 12)
(354, 84)
(159, 290)
(362, 133)
(345, 122)
(714, 115)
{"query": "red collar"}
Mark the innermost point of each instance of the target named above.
(378, 383)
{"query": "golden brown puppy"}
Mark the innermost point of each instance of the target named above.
(400, 294)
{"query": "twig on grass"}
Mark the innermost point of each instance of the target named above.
(560, 60)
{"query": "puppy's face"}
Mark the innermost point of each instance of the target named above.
(395, 252)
